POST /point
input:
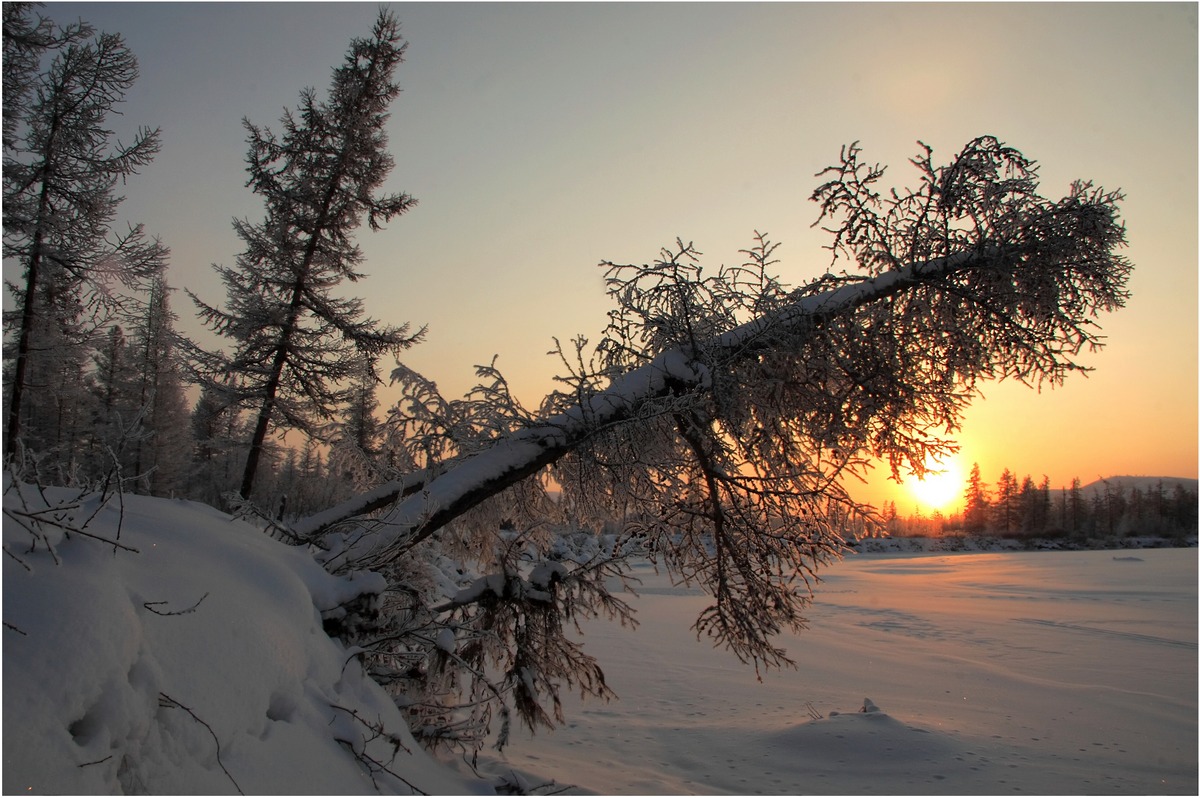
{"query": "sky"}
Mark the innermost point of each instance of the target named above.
(540, 139)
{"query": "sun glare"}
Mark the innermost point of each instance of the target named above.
(942, 487)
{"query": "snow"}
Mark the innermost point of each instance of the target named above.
(1031, 672)
(196, 665)
(199, 665)
(544, 574)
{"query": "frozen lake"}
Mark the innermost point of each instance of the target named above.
(1038, 672)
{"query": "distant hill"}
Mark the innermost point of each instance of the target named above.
(1128, 483)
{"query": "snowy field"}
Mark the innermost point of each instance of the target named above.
(197, 665)
(1038, 672)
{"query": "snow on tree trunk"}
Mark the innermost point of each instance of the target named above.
(670, 373)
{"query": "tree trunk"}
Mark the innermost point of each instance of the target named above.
(272, 387)
(13, 431)
(472, 480)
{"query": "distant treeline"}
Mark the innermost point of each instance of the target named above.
(1109, 508)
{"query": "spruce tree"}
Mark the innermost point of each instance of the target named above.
(1077, 507)
(354, 457)
(217, 453)
(113, 407)
(58, 428)
(294, 342)
(1032, 508)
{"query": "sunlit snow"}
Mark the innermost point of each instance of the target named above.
(1033, 672)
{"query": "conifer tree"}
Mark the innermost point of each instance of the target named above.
(216, 429)
(1044, 508)
(1076, 507)
(161, 453)
(26, 41)
(1032, 507)
(975, 513)
(61, 168)
(113, 405)
(354, 458)
(1004, 506)
(59, 427)
(294, 342)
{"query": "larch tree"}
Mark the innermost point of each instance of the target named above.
(27, 39)
(295, 344)
(719, 420)
(61, 169)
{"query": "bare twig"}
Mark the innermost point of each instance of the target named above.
(150, 606)
(97, 762)
(20, 562)
(69, 528)
(374, 765)
(166, 701)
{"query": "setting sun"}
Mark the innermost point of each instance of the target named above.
(941, 488)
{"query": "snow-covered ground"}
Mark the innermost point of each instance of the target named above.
(198, 665)
(1032, 672)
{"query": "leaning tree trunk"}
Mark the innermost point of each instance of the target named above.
(427, 504)
(971, 276)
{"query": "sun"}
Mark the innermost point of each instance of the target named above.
(942, 487)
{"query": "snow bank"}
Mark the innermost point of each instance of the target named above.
(196, 665)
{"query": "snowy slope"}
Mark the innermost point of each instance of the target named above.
(196, 665)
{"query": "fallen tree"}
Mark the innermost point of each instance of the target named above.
(1039, 289)
(720, 415)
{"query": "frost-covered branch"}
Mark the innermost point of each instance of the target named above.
(673, 372)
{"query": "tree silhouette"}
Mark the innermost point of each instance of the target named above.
(295, 342)
(61, 170)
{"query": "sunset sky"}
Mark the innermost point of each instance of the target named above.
(540, 139)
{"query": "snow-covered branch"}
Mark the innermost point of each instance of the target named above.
(674, 372)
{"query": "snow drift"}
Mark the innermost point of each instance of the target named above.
(195, 664)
